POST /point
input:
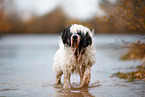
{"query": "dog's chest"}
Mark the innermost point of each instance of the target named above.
(77, 63)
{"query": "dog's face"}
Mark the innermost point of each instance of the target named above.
(77, 36)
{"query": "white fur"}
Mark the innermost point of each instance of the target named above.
(65, 61)
(76, 27)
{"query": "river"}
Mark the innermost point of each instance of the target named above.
(26, 68)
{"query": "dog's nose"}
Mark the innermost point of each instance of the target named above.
(75, 36)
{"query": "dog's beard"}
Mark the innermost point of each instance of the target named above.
(78, 52)
(75, 46)
(77, 49)
(75, 42)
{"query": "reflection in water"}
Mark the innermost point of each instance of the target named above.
(74, 92)
(84, 92)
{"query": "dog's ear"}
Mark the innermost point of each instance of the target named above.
(93, 32)
(86, 40)
(65, 35)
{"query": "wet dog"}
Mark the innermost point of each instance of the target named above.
(76, 54)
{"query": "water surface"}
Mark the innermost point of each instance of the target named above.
(26, 62)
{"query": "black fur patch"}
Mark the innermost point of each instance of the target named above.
(66, 36)
(85, 40)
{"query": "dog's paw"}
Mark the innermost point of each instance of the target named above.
(67, 86)
(58, 85)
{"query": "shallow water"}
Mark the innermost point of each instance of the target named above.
(26, 61)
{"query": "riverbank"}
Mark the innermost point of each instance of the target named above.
(136, 52)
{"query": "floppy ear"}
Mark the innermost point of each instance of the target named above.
(86, 40)
(65, 35)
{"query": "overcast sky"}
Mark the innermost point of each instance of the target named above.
(74, 9)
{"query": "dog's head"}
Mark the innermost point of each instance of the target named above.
(77, 36)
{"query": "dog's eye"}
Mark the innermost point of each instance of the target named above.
(79, 33)
(87, 33)
(70, 34)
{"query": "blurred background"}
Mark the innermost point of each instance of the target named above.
(29, 31)
(51, 16)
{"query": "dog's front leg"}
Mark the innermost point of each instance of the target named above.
(58, 77)
(67, 80)
(81, 74)
(86, 78)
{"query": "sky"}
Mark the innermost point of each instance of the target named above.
(74, 9)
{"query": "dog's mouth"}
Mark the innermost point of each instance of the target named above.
(74, 43)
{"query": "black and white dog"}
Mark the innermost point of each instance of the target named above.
(76, 54)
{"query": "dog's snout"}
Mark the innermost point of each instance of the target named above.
(75, 36)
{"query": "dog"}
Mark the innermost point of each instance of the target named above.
(76, 54)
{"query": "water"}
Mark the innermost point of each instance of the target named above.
(26, 61)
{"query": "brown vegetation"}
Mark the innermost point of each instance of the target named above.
(136, 51)
(135, 16)
(139, 74)
(126, 16)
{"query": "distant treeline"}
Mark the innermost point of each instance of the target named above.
(126, 16)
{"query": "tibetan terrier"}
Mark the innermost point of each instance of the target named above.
(76, 54)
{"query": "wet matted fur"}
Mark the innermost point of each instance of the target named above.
(76, 54)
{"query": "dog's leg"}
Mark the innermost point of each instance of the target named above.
(81, 74)
(86, 78)
(67, 80)
(81, 77)
(58, 77)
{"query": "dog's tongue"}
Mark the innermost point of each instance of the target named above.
(75, 44)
